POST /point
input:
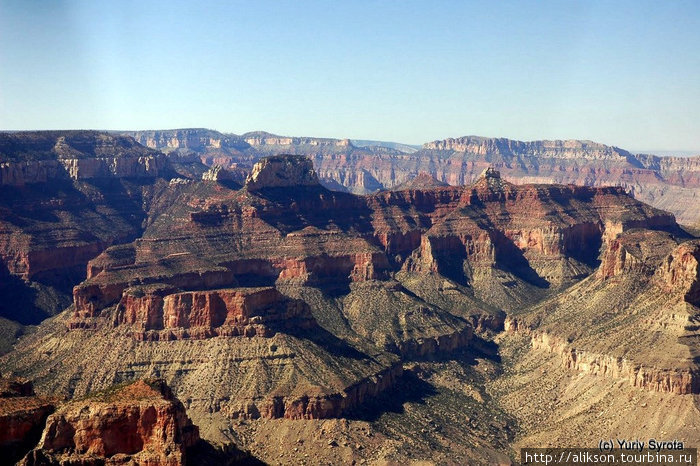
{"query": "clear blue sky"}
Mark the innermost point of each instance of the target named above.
(625, 72)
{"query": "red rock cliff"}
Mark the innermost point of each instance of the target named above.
(142, 422)
(680, 272)
(160, 313)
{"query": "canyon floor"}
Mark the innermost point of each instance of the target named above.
(479, 407)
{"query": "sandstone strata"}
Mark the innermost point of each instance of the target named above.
(282, 172)
(284, 299)
(37, 157)
(161, 313)
(680, 272)
(637, 374)
(64, 197)
(669, 183)
(141, 423)
(217, 173)
(642, 299)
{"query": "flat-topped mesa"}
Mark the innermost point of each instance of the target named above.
(142, 423)
(161, 313)
(39, 156)
(680, 272)
(282, 171)
(193, 139)
(262, 138)
(558, 149)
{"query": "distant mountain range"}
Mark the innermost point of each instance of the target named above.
(407, 148)
(670, 183)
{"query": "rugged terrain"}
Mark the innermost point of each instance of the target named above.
(65, 197)
(138, 423)
(669, 183)
(302, 324)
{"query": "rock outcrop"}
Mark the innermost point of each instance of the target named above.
(141, 423)
(161, 313)
(461, 233)
(680, 272)
(421, 181)
(65, 196)
(658, 379)
(217, 173)
(313, 405)
(284, 299)
(637, 322)
(506, 147)
(282, 172)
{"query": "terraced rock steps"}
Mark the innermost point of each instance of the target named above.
(639, 320)
(282, 299)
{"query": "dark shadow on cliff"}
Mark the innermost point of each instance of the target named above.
(231, 184)
(339, 288)
(482, 348)
(454, 266)
(204, 453)
(304, 206)
(409, 388)
(29, 303)
(511, 259)
(479, 348)
(74, 204)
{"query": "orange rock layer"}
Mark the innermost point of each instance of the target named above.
(142, 423)
(162, 313)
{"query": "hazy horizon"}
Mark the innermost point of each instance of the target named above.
(659, 152)
(622, 73)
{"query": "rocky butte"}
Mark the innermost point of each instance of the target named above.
(415, 322)
(140, 423)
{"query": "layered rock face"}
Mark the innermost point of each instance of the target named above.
(282, 172)
(262, 138)
(409, 271)
(680, 272)
(141, 423)
(64, 197)
(422, 181)
(507, 147)
(218, 173)
(300, 238)
(657, 379)
(194, 139)
(637, 322)
(162, 314)
(37, 157)
(284, 299)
